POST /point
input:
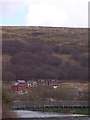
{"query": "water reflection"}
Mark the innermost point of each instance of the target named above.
(34, 114)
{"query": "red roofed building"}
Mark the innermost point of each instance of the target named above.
(16, 87)
(22, 84)
(19, 86)
(48, 82)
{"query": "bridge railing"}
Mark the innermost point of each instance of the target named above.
(29, 104)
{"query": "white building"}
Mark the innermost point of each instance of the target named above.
(31, 83)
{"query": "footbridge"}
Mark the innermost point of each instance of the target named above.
(47, 105)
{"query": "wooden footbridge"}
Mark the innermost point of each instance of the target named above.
(47, 105)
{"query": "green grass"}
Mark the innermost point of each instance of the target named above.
(82, 111)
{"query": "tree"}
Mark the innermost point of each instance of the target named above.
(8, 76)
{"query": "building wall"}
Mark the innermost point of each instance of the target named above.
(18, 87)
(15, 88)
(50, 83)
(23, 86)
(29, 84)
(33, 84)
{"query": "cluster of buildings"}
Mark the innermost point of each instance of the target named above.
(22, 85)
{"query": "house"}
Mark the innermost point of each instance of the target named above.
(53, 82)
(42, 82)
(48, 82)
(19, 86)
(22, 84)
(31, 84)
(16, 87)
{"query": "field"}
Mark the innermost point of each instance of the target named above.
(57, 35)
(65, 91)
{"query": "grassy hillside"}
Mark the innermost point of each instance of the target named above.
(76, 36)
(45, 52)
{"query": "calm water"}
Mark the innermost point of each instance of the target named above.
(49, 116)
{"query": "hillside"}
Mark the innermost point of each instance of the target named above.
(45, 52)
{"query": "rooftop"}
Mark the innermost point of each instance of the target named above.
(47, 80)
(21, 81)
(30, 81)
(15, 84)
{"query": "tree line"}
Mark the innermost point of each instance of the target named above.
(35, 60)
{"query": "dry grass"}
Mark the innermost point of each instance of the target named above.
(60, 36)
(75, 85)
(7, 113)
